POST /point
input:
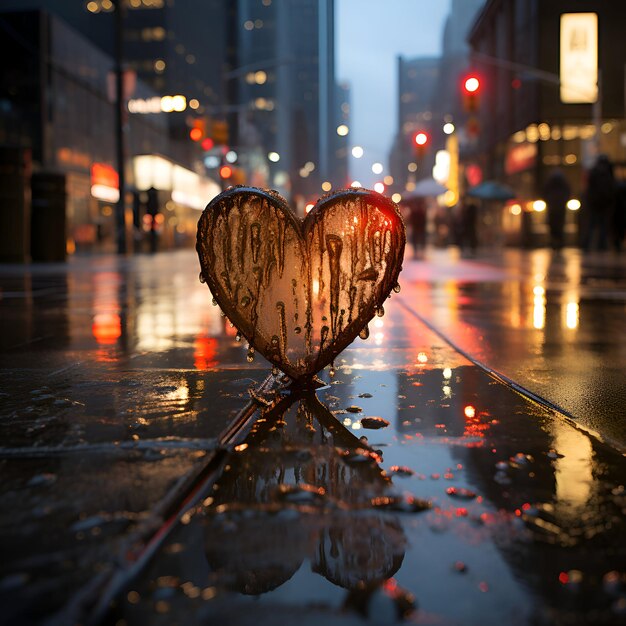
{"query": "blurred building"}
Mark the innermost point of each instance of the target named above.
(429, 99)
(553, 77)
(57, 104)
(417, 79)
(288, 94)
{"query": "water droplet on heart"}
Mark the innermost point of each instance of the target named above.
(238, 337)
(201, 277)
(250, 355)
(275, 371)
(365, 332)
(297, 330)
(222, 313)
(275, 340)
(380, 311)
(245, 301)
(396, 288)
(214, 302)
(332, 371)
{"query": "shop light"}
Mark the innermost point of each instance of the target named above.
(539, 206)
(573, 204)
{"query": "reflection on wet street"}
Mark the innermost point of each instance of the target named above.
(553, 322)
(414, 486)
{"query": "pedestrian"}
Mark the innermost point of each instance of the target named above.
(556, 193)
(599, 201)
(469, 230)
(417, 222)
(619, 216)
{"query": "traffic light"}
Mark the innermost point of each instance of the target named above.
(198, 129)
(226, 171)
(471, 93)
(420, 143)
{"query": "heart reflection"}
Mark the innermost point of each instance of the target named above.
(303, 488)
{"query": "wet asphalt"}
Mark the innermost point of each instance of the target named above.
(489, 490)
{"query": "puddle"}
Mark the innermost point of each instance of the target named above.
(309, 515)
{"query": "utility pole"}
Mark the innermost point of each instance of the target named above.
(120, 114)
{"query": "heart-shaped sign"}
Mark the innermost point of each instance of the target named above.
(299, 290)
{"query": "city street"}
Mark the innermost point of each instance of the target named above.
(152, 474)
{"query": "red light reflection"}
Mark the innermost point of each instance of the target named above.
(106, 328)
(204, 353)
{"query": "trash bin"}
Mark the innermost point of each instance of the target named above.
(49, 198)
(15, 169)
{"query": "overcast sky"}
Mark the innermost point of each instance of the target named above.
(370, 34)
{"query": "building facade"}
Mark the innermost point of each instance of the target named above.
(288, 94)
(532, 120)
(57, 104)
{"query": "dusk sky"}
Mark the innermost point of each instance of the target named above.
(370, 34)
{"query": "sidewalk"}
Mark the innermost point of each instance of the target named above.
(474, 505)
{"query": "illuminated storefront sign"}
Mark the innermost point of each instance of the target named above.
(186, 187)
(105, 184)
(579, 57)
(520, 157)
(165, 104)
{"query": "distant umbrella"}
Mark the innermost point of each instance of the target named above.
(425, 188)
(492, 190)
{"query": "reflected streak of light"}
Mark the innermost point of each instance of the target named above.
(469, 411)
(573, 472)
(204, 353)
(378, 322)
(316, 287)
(539, 313)
(378, 338)
(106, 328)
(447, 391)
(571, 315)
(356, 426)
(422, 357)
(447, 373)
(180, 393)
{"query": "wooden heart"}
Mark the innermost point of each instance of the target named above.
(299, 290)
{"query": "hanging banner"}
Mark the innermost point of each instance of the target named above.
(579, 58)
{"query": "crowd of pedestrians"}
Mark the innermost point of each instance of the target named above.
(601, 220)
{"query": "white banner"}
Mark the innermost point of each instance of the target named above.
(579, 57)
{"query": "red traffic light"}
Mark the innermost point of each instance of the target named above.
(471, 93)
(471, 84)
(226, 171)
(207, 143)
(420, 138)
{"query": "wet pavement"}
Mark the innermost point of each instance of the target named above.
(551, 321)
(129, 498)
